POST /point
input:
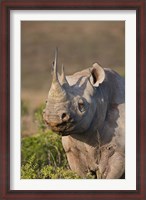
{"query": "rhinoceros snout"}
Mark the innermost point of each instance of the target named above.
(60, 117)
(59, 120)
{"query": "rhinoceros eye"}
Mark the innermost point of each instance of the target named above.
(81, 105)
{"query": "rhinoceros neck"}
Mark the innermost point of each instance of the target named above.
(90, 137)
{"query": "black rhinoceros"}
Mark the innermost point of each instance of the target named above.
(88, 110)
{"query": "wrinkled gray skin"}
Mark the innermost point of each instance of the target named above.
(87, 109)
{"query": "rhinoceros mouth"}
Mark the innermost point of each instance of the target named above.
(61, 128)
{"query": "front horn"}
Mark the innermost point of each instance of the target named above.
(56, 90)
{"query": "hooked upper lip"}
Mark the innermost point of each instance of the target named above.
(59, 128)
(56, 124)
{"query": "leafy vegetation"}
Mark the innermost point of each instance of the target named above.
(38, 117)
(42, 156)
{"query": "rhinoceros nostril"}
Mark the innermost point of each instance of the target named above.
(64, 117)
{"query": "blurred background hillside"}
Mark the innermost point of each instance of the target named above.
(80, 44)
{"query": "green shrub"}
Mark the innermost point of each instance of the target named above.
(58, 173)
(46, 146)
(38, 117)
(30, 170)
(42, 156)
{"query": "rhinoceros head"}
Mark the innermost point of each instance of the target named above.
(70, 108)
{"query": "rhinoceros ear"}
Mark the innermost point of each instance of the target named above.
(97, 75)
